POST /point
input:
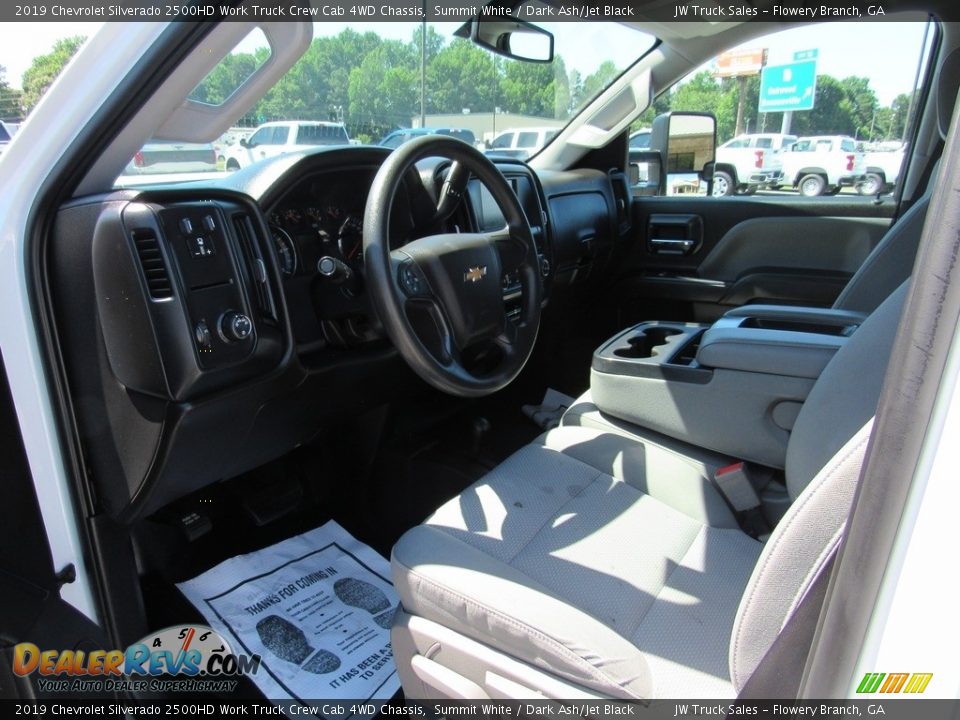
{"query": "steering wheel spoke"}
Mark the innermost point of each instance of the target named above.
(448, 351)
(509, 337)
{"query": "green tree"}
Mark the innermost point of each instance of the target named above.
(9, 98)
(831, 113)
(462, 76)
(528, 89)
(317, 86)
(861, 104)
(45, 68)
(383, 89)
(704, 93)
(897, 124)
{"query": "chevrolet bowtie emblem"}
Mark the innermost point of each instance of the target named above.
(474, 274)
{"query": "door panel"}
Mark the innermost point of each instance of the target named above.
(31, 609)
(771, 249)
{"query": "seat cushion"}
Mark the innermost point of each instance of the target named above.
(607, 562)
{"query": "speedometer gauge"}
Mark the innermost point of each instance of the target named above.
(286, 251)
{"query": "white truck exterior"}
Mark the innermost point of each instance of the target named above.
(884, 165)
(276, 138)
(521, 143)
(822, 164)
(748, 162)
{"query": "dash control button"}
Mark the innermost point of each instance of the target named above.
(235, 326)
(201, 246)
(410, 280)
(202, 335)
(186, 227)
(208, 223)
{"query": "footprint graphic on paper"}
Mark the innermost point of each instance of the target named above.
(321, 663)
(287, 642)
(363, 595)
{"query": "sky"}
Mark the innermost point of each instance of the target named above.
(885, 52)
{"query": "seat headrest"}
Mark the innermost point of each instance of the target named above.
(948, 84)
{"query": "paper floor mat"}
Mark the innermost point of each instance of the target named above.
(317, 610)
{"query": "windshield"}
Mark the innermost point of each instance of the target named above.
(360, 82)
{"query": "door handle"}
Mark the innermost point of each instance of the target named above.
(674, 234)
(666, 246)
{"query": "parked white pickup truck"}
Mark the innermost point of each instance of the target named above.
(822, 164)
(884, 163)
(276, 138)
(748, 162)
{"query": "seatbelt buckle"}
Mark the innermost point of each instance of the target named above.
(736, 487)
(734, 482)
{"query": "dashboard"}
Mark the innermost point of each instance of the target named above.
(209, 328)
(316, 228)
(322, 216)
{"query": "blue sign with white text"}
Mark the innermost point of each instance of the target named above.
(788, 87)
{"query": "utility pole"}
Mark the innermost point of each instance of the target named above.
(741, 98)
(423, 67)
(785, 124)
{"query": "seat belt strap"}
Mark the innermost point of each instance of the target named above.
(778, 675)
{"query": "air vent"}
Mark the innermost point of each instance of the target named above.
(153, 265)
(255, 266)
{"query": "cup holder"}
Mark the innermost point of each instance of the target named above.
(645, 344)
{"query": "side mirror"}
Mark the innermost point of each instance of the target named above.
(514, 39)
(687, 145)
(245, 143)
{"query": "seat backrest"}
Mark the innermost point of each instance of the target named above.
(824, 457)
(889, 264)
(891, 261)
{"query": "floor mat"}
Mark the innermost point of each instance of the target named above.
(316, 608)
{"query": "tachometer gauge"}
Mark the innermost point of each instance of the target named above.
(350, 240)
(292, 216)
(286, 251)
(314, 214)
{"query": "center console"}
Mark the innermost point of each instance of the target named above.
(735, 387)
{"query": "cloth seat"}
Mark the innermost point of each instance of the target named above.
(593, 562)
(575, 517)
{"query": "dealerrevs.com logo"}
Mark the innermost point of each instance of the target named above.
(185, 658)
(909, 683)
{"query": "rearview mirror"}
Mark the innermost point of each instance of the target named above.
(687, 143)
(514, 39)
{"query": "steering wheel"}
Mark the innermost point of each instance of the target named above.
(440, 297)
